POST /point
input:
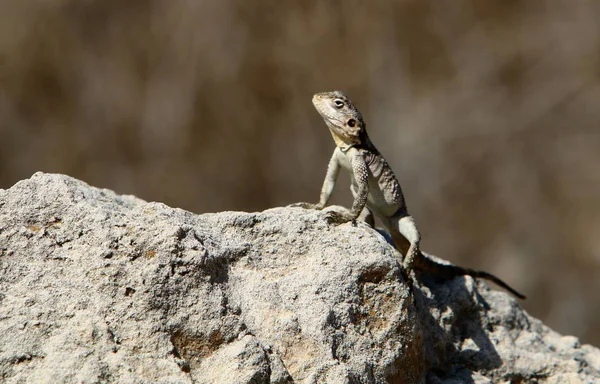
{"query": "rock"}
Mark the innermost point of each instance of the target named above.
(101, 288)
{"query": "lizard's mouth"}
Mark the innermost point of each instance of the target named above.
(330, 118)
(334, 124)
(334, 121)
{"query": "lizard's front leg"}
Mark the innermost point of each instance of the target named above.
(366, 215)
(361, 177)
(333, 170)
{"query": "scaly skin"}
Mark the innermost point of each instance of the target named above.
(374, 187)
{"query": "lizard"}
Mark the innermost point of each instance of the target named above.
(375, 188)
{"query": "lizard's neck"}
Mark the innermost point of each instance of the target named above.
(342, 144)
(362, 142)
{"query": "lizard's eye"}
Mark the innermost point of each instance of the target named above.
(338, 103)
(351, 123)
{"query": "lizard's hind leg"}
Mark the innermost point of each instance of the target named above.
(404, 224)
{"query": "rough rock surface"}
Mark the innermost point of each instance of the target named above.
(101, 288)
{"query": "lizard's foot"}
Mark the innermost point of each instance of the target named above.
(409, 260)
(340, 217)
(306, 206)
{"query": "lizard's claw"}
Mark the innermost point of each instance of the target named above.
(339, 217)
(306, 206)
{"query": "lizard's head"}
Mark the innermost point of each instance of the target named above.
(341, 116)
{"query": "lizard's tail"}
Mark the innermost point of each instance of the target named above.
(426, 264)
(406, 238)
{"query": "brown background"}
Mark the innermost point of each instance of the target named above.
(488, 112)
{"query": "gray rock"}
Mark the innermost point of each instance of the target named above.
(101, 288)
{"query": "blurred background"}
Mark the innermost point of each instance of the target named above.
(488, 112)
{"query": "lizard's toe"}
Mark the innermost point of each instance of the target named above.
(337, 217)
(303, 205)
